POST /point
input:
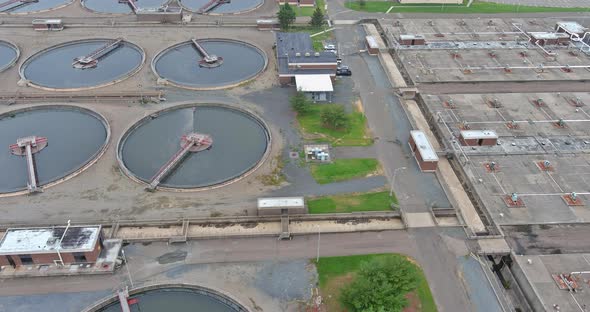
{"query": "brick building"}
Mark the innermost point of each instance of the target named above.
(51, 245)
(296, 58)
(423, 151)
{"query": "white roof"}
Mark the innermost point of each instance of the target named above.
(479, 134)
(572, 27)
(547, 35)
(406, 37)
(425, 149)
(372, 42)
(44, 240)
(280, 202)
(314, 83)
(46, 21)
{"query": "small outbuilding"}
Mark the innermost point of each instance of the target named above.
(372, 45)
(478, 138)
(48, 24)
(50, 245)
(423, 151)
(275, 206)
(412, 40)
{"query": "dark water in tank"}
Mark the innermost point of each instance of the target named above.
(181, 64)
(172, 300)
(33, 6)
(239, 141)
(74, 137)
(232, 7)
(53, 68)
(114, 6)
(7, 54)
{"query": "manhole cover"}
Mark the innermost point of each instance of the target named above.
(293, 155)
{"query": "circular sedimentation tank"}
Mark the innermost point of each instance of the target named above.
(23, 7)
(119, 7)
(76, 137)
(9, 54)
(173, 297)
(54, 68)
(229, 7)
(239, 143)
(181, 64)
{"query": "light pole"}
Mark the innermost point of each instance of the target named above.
(127, 265)
(317, 259)
(393, 179)
(58, 249)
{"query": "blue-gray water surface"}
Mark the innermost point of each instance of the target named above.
(172, 300)
(114, 6)
(180, 64)
(233, 7)
(40, 5)
(239, 142)
(53, 68)
(7, 54)
(73, 136)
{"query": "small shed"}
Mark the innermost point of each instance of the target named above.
(478, 137)
(275, 206)
(48, 24)
(423, 151)
(372, 45)
(317, 87)
(412, 40)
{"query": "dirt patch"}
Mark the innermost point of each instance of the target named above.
(331, 292)
(414, 304)
(171, 257)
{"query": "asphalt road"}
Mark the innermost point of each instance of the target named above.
(441, 253)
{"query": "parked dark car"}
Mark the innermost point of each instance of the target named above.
(343, 71)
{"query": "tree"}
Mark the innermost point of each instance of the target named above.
(286, 16)
(381, 286)
(333, 116)
(317, 18)
(362, 3)
(300, 103)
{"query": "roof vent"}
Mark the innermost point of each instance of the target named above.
(317, 54)
(297, 54)
(307, 54)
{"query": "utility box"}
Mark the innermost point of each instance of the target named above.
(276, 206)
(423, 151)
(478, 138)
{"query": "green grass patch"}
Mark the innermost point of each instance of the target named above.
(377, 201)
(355, 135)
(476, 7)
(344, 169)
(308, 11)
(331, 269)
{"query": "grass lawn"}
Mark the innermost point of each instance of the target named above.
(308, 11)
(476, 7)
(378, 201)
(355, 135)
(336, 272)
(344, 169)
